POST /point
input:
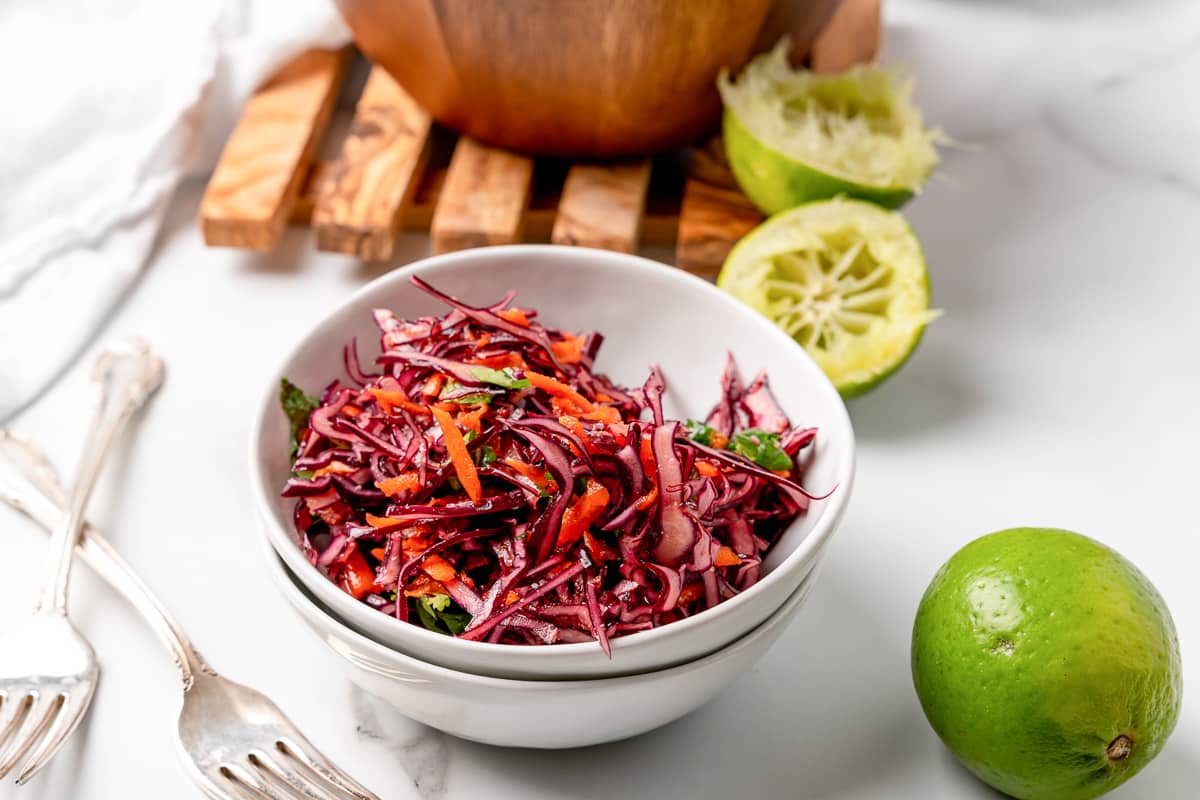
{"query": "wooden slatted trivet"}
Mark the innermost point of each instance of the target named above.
(387, 177)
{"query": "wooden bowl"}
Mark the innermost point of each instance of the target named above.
(574, 77)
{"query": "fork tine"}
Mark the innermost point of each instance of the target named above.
(322, 766)
(40, 715)
(65, 723)
(21, 710)
(216, 786)
(302, 785)
(247, 782)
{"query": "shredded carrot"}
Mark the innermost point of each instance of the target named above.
(648, 499)
(563, 407)
(514, 315)
(335, 468)
(718, 440)
(568, 351)
(582, 512)
(557, 387)
(433, 385)
(606, 414)
(332, 515)
(572, 423)
(727, 558)
(408, 482)
(471, 420)
(528, 470)
(415, 544)
(439, 569)
(620, 432)
(390, 401)
(460, 457)
(422, 585)
(357, 575)
(538, 476)
(647, 454)
(379, 553)
(483, 339)
(690, 594)
(706, 469)
(500, 361)
(511, 598)
(351, 410)
(382, 522)
(601, 397)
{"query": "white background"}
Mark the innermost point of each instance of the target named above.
(1062, 388)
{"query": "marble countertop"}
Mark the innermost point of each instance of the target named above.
(1060, 388)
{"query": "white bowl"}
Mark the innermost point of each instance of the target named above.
(551, 714)
(648, 312)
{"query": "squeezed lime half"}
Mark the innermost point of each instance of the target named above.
(793, 136)
(846, 279)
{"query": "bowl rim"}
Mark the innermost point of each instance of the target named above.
(575, 257)
(290, 584)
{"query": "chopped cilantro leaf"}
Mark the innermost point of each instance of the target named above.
(762, 448)
(439, 613)
(297, 407)
(504, 377)
(699, 432)
(487, 456)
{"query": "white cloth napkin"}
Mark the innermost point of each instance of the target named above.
(105, 105)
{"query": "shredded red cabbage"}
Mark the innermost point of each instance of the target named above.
(487, 483)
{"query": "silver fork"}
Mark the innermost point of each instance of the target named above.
(48, 670)
(234, 742)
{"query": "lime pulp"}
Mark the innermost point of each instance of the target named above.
(846, 279)
(793, 136)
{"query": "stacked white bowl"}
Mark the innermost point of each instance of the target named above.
(567, 695)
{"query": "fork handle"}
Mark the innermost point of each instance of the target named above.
(124, 376)
(31, 486)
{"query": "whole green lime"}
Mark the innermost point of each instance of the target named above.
(1047, 663)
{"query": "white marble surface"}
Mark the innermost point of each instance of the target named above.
(1060, 388)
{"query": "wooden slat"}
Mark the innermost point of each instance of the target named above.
(306, 201)
(257, 180)
(483, 199)
(852, 36)
(602, 205)
(711, 220)
(659, 223)
(659, 228)
(360, 201)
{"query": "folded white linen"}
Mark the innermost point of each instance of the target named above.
(107, 106)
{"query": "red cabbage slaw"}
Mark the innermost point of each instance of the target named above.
(485, 482)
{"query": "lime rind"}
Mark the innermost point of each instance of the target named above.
(775, 183)
(793, 136)
(1047, 663)
(845, 279)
